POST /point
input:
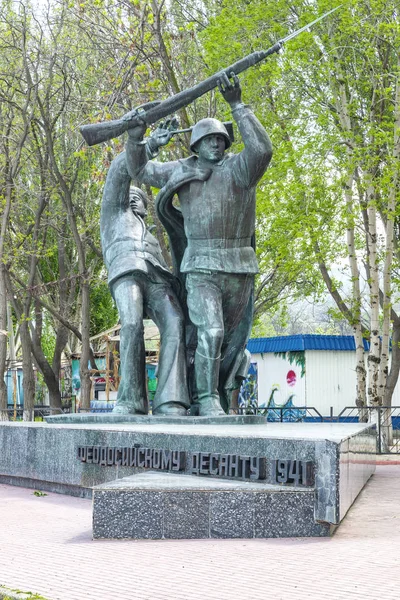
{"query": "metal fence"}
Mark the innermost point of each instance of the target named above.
(15, 413)
(387, 421)
(277, 414)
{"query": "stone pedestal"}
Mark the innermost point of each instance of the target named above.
(241, 478)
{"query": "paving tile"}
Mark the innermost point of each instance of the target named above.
(47, 548)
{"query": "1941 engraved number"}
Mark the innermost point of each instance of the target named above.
(293, 472)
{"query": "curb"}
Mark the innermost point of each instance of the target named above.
(388, 459)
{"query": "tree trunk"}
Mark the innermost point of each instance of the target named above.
(28, 384)
(3, 344)
(388, 381)
(62, 333)
(86, 384)
(50, 379)
(361, 386)
(375, 344)
(80, 246)
(3, 305)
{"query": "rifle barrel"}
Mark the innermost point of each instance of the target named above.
(174, 103)
(178, 101)
(99, 132)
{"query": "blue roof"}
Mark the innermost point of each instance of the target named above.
(291, 343)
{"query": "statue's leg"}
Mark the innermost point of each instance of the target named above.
(238, 302)
(132, 396)
(205, 310)
(163, 307)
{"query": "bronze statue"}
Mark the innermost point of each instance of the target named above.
(141, 283)
(212, 246)
(212, 236)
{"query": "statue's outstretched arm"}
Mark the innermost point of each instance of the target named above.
(141, 169)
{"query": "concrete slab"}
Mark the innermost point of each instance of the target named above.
(334, 432)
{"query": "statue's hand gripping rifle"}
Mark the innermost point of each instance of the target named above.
(154, 111)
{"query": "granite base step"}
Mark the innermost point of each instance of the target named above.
(111, 418)
(155, 505)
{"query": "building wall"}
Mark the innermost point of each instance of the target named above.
(9, 381)
(396, 394)
(329, 380)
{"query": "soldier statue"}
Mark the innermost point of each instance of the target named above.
(212, 235)
(141, 284)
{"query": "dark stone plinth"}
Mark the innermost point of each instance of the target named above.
(137, 516)
(160, 505)
(111, 418)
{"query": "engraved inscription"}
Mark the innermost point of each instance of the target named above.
(293, 472)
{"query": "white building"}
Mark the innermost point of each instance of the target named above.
(307, 370)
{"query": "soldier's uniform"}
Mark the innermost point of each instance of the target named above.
(218, 210)
(141, 283)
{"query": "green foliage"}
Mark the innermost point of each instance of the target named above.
(104, 313)
(16, 594)
(48, 340)
(263, 326)
(299, 97)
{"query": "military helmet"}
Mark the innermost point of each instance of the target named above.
(208, 127)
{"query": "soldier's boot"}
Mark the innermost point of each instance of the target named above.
(129, 403)
(207, 374)
(170, 409)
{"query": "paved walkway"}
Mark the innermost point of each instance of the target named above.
(46, 547)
